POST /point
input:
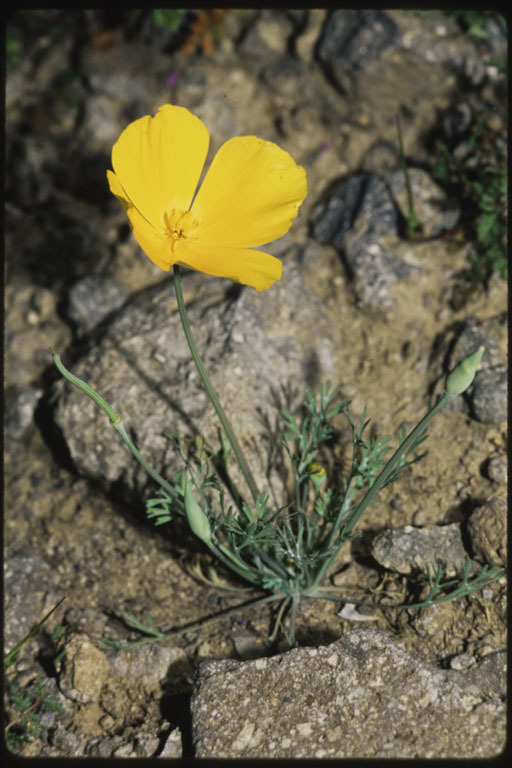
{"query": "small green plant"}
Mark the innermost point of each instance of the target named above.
(249, 196)
(12, 50)
(413, 225)
(479, 182)
(11, 657)
(27, 704)
(285, 553)
(475, 23)
(170, 18)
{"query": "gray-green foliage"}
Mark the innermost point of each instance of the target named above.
(285, 552)
(28, 703)
(170, 18)
(479, 182)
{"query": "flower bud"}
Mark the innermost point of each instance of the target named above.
(463, 374)
(317, 475)
(197, 519)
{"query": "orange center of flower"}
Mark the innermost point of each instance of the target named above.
(178, 226)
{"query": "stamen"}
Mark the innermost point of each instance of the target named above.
(179, 225)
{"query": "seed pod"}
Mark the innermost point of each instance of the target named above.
(463, 374)
(197, 519)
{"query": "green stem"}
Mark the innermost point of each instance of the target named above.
(209, 388)
(282, 607)
(232, 562)
(10, 657)
(293, 616)
(116, 422)
(149, 469)
(412, 221)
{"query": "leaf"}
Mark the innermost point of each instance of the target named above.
(485, 225)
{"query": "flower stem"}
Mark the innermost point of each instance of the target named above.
(149, 469)
(209, 388)
(116, 422)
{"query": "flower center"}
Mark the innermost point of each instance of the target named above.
(179, 225)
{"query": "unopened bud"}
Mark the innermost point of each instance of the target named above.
(317, 475)
(463, 374)
(197, 519)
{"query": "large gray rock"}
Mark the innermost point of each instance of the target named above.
(363, 696)
(487, 529)
(92, 299)
(351, 40)
(359, 217)
(490, 395)
(258, 348)
(409, 549)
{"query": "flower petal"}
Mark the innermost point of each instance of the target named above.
(158, 161)
(243, 265)
(150, 239)
(250, 195)
(117, 189)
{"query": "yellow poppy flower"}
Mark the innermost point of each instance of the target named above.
(250, 196)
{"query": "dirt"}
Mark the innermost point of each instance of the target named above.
(106, 563)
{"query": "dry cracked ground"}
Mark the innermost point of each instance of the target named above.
(380, 314)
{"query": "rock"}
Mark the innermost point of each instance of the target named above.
(488, 396)
(92, 299)
(32, 326)
(376, 269)
(487, 528)
(359, 217)
(283, 77)
(248, 645)
(19, 410)
(299, 18)
(266, 35)
(428, 201)
(409, 549)
(305, 41)
(26, 601)
(462, 662)
(142, 366)
(120, 695)
(457, 119)
(359, 195)
(332, 702)
(470, 337)
(351, 40)
(84, 669)
(497, 470)
(151, 665)
(67, 742)
(490, 675)
(173, 745)
(381, 158)
(103, 118)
